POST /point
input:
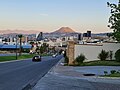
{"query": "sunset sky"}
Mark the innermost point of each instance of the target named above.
(50, 15)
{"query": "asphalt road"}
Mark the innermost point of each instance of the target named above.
(21, 75)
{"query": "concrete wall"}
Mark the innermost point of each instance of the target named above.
(91, 51)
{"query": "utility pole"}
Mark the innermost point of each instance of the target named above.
(16, 47)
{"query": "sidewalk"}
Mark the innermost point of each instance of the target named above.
(71, 78)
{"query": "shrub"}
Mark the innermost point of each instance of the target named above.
(80, 59)
(118, 72)
(105, 72)
(103, 55)
(113, 71)
(117, 55)
(66, 60)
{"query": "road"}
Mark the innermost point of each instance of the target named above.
(21, 75)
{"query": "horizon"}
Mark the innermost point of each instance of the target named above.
(37, 32)
(49, 16)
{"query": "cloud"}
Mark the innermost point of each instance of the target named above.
(43, 14)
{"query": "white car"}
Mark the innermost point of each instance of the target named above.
(54, 55)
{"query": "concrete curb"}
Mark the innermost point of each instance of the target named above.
(55, 65)
(109, 77)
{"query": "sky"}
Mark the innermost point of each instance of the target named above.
(50, 15)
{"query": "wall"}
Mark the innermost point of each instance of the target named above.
(91, 51)
(70, 52)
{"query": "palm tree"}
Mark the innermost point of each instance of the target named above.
(20, 49)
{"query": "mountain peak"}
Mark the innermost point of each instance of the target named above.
(64, 30)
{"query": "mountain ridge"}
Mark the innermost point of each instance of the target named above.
(61, 30)
(19, 31)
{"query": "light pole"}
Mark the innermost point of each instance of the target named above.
(16, 47)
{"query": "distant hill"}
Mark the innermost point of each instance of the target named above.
(64, 30)
(19, 31)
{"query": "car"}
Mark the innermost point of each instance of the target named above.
(36, 58)
(54, 55)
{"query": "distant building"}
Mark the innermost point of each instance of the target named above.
(24, 39)
(87, 36)
(13, 48)
(84, 34)
(79, 37)
(40, 36)
(88, 33)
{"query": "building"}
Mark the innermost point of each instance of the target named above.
(40, 36)
(13, 48)
(87, 36)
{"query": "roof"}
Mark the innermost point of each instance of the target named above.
(14, 46)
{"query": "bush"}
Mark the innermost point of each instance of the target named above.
(105, 72)
(103, 55)
(117, 55)
(80, 59)
(113, 71)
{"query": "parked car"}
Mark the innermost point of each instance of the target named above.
(36, 58)
(54, 55)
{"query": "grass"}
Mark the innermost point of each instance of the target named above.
(10, 58)
(7, 58)
(24, 56)
(113, 75)
(101, 63)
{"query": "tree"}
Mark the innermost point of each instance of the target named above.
(20, 38)
(44, 48)
(31, 42)
(114, 20)
(117, 55)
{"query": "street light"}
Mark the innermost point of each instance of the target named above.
(16, 47)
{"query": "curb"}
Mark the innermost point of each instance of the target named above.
(109, 78)
(55, 65)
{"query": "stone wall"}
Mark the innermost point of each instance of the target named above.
(70, 52)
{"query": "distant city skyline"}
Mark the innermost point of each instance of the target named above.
(50, 15)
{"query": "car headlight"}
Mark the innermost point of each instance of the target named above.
(35, 57)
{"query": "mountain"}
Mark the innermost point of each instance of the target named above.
(19, 31)
(64, 30)
(61, 30)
